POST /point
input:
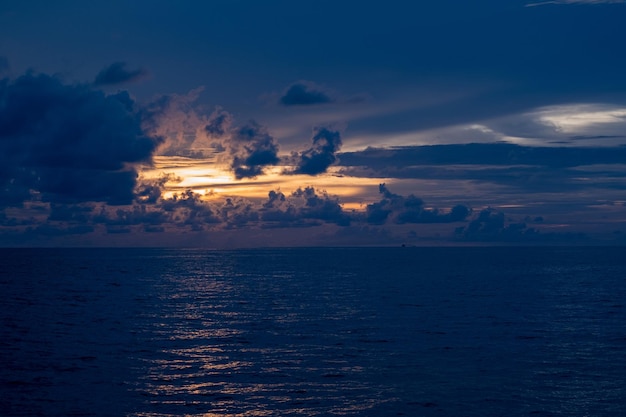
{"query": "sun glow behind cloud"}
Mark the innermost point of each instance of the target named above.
(214, 181)
(575, 118)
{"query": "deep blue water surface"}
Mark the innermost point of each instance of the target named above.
(313, 332)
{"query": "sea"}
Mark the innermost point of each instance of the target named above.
(402, 331)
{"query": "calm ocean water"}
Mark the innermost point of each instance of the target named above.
(313, 332)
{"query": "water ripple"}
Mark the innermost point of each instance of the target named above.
(314, 332)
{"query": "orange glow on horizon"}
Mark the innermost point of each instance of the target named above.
(212, 180)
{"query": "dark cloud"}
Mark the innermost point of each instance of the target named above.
(53, 230)
(536, 169)
(153, 229)
(116, 73)
(237, 212)
(131, 216)
(116, 230)
(68, 143)
(252, 149)
(150, 191)
(483, 154)
(320, 206)
(188, 209)
(410, 209)
(219, 124)
(274, 199)
(69, 213)
(321, 155)
(304, 94)
(304, 207)
(491, 225)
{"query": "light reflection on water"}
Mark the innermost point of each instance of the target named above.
(242, 344)
(315, 332)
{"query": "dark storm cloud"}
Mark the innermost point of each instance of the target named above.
(274, 199)
(305, 94)
(410, 209)
(252, 149)
(321, 154)
(68, 143)
(117, 73)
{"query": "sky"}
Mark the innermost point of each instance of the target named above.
(241, 123)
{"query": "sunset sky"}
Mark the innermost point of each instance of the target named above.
(241, 123)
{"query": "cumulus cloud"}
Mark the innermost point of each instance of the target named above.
(188, 209)
(305, 93)
(491, 225)
(69, 213)
(116, 74)
(316, 205)
(321, 154)
(219, 123)
(177, 119)
(410, 209)
(54, 230)
(130, 216)
(151, 191)
(192, 133)
(304, 207)
(252, 149)
(68, 143)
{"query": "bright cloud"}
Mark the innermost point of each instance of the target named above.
(574, 119)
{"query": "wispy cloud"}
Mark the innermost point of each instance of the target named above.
(117, 73)
(543, 3)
